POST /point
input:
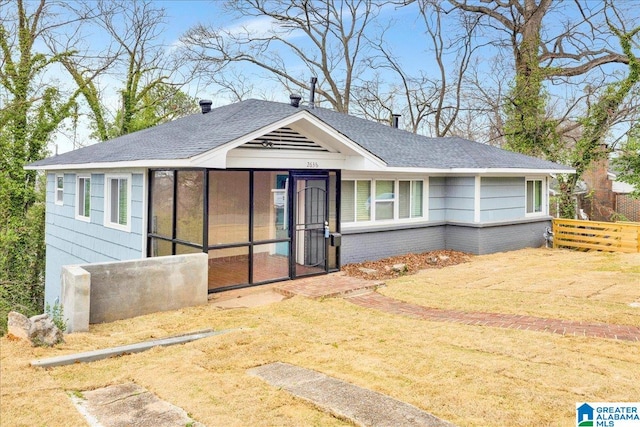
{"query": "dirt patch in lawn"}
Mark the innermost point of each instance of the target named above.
(405, 264)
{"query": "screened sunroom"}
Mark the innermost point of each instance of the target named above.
(257, 226)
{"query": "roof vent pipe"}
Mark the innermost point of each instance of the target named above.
(312, 95)
(395, 120)
(205, 105)
(294, 99)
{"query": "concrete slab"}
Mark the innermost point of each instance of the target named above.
(344, 400)
(129, 404)
(91, 356)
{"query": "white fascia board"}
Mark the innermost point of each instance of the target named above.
(135, 164)
(622, 187)
(219, 155)
(481, 171)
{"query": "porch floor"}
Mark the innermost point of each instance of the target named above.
(231, 271)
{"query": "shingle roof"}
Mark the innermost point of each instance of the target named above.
(197, 134)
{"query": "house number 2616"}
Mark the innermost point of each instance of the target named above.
(313, 165)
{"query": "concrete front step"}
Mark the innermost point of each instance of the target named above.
(327, 286)
(358, 405)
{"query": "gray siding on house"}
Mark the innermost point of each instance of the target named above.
(358, 247)
(502, 199)
(437, 199)
(460, 198)
(73, 241)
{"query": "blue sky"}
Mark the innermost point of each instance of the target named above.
(184, 14)
(406, 36)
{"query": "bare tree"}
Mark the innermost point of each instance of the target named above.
(134, 55)
(572, 56)
(593, 39)
(430, 103)
(482, 116)
(326, 38)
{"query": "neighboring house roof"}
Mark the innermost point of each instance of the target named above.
(198, 134)
(619, 186)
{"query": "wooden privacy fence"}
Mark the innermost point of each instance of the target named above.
(601, 236)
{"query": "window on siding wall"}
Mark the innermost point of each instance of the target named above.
(59, 189)
(534, 196)
(83, 198)
(348, 202)
(385, 199)
(360, 205)
(356, 198)
(117, 202)
(363, 197)
(410, 199)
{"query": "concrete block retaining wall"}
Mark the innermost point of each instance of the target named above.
(105, 292)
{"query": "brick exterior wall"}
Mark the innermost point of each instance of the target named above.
(371, 246)
(496, 238)
(599, 203)
(628, 207)
(374, 245)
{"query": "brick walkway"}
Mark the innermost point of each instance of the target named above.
(380, 302)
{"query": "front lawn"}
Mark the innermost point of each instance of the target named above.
(468, 375)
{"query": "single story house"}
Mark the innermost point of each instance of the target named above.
(275, 191)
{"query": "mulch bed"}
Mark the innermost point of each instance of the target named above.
(384, 268)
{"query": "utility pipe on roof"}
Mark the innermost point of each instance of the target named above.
(312, 94)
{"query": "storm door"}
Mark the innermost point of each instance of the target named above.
(311, 226)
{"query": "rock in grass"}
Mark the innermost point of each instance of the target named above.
(43, 332)
(39, 330)
(432, 260)
(399, 267)
(18, 325)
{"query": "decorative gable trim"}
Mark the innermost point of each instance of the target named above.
(287, 139)
(315, 137)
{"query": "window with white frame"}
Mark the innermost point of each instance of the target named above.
(534, 196)
(59, 189)
(410, 199)
(381, 200)
(117, 201)
(83, 198)
(385, 199)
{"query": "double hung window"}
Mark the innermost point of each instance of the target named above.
(117, 202)
(382, 200)
(83, 198)
(59, 189)
(534, 196)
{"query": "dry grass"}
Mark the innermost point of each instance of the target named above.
(471, 376)
(586, 286)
